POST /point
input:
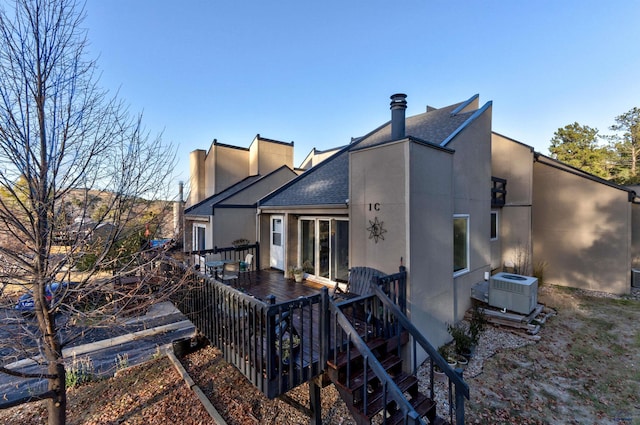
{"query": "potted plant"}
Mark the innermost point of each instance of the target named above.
(477, 324)
(307, 267)
(445, 352)
(296, 273)
(240, 243)
(287, 349)
(461, 339)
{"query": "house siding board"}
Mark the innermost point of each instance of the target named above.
(513, 161)
(581, 231)
(388, 198)
(635, 232)
(230, 224)
(471, 195)
(430, 257)
(267, 155)
(415, 198)
(225, 166)
(515, 237)
(197, 176)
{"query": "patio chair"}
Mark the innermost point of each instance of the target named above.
(245, 266)
(360, 280)
(230, 272)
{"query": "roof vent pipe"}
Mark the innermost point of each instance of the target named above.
(398, 107)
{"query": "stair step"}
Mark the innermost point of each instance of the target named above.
(376, 400)
(422, 404)
(392, 343)
(341, 359)
(357, 379)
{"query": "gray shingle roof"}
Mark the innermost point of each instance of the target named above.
(205, 206)
(433, 127)
(325, 184)
(328, 182)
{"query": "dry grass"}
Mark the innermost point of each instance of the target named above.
(585, 369)
(152, 393)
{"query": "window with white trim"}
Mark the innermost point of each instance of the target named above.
(460, 243)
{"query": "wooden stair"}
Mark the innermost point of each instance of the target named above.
(352, 388)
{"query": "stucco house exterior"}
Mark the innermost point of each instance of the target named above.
(224, 165)
(231, 214)
(414, 191)
(570, 227)
(226, 183)
(439, 192)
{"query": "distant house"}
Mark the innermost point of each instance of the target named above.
(226, 183)
(231, 214)
(224, 165)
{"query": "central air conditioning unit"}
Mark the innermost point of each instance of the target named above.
(513, 292)
(635, 278)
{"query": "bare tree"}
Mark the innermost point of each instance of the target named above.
(75, 168)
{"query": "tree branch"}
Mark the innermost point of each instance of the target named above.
(26, 375)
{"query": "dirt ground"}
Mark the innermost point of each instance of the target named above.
(585, 370)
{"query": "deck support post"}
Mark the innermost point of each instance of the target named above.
(315, 402)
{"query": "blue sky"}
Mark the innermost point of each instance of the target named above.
(318, 73)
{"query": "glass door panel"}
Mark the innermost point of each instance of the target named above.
(308, 232)
(340, 250)
(323, 247)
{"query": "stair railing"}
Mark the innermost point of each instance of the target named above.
(461, 388)
(347, 337)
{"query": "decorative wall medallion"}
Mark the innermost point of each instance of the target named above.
(375, 230)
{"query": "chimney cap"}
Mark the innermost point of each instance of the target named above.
(398, 101)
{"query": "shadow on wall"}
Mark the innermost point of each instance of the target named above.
(585, 247)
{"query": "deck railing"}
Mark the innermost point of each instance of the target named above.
(391, 317)
(349, 339)
(382, 314)
(198, 258)
(280, 345)
(277, 346)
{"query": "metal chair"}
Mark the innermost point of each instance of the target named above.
(245, 266)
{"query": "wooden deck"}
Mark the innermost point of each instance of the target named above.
(280, 334)
(264, 283)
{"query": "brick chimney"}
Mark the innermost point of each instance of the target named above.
(398, 108)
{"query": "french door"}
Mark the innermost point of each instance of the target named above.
(324, 247)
